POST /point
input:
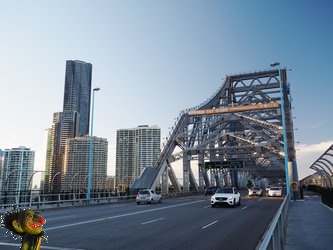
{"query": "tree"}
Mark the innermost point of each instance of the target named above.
(249, 184)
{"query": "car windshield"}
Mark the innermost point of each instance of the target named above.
(225, 190)
(256, 188)
(275, 189)
(144, 192)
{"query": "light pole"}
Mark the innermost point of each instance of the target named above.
(53, 181)
(91, 147)
(277, 64)
(73, 181)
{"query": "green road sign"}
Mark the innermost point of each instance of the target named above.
(224, 164)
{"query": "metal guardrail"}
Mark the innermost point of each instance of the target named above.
(275, 236)
(45, 201)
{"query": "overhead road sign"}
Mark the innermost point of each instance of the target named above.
(234, 109)
(224, 164)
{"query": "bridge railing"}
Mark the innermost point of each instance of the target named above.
(26, 200)
(275, 236)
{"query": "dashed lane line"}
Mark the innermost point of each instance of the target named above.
(120, 216)
(209, 224)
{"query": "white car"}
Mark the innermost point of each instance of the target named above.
(275, 191)
(148, 196)
(226, 196)
(255, 191)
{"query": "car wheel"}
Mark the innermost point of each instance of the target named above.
(151, 201)
(239, 201)
(138, 203)
(160, 201)
(235, 204)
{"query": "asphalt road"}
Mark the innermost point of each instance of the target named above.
(179, 223)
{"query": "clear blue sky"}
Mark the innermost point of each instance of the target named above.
(153, 59)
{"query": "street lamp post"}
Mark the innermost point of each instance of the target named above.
(73, 181)
(52, 184)
(277, 64)
(5, 186)
(29, 182)
(91, 147)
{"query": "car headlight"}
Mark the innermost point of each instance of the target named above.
(230, 198)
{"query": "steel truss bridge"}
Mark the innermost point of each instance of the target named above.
(237, 132)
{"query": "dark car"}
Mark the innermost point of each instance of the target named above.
(210, 190)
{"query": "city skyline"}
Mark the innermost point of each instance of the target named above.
(154, 59)
(72, 122)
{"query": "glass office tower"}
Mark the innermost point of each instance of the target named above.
(77, 92)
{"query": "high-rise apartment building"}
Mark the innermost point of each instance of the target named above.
(136, 149)
(72, 122)
(76, 163)
(65, 126)
(18, 168)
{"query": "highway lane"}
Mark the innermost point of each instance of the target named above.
(180, 223)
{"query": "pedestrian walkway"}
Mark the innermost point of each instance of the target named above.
(310, 224)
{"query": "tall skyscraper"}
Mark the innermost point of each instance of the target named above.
(18, 167)
(72, 122)
(77, 92)
(136, 149)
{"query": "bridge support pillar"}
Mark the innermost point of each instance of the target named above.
(201, 172)
(186, 175)
(165, 182)
(234, 175)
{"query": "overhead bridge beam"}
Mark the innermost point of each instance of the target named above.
(234, 109)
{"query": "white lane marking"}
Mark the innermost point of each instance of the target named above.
(43, 247)
(181, 200)
(206, 206)
(209, 224)
(245, 207)
(120, 215)
(147, 222)
(58, 218)
(9, 244)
